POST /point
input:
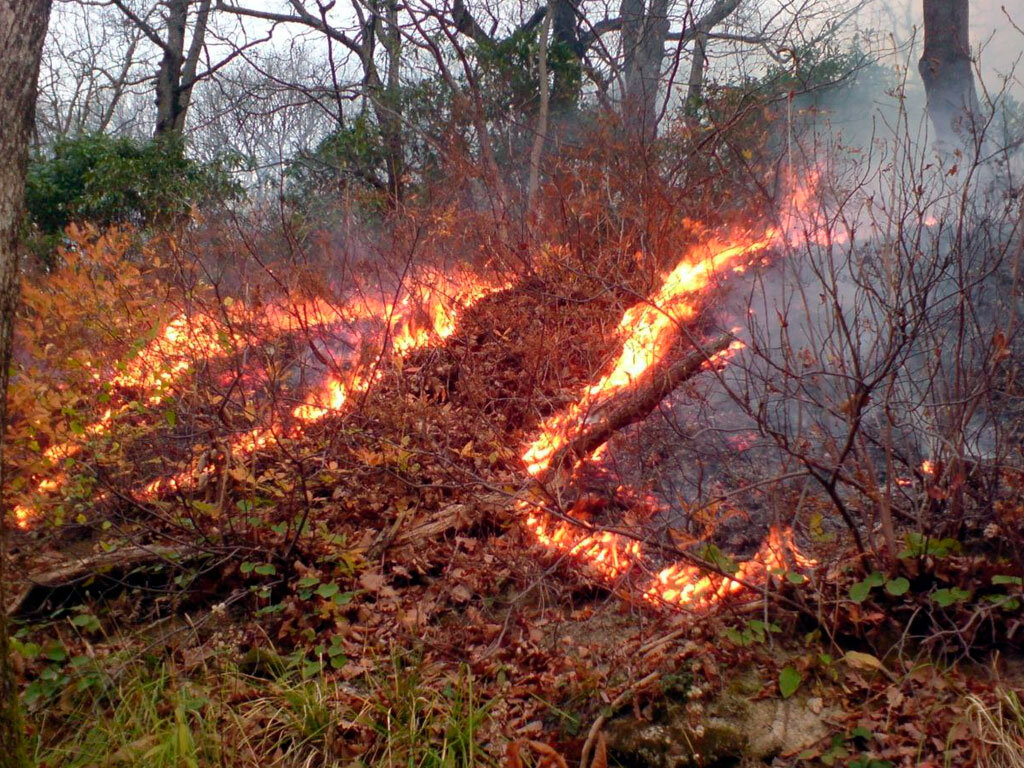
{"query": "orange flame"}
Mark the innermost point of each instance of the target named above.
(426, 313)
(649, 330)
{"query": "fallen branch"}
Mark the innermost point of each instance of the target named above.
(95, 566)
(635, 404)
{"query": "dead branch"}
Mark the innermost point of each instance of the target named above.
(636, 403)
(102, 564)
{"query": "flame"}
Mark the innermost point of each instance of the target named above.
(649, 330)
(426, 313)
(690, 585)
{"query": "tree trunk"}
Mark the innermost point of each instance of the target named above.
(644, 33)
(695, 83)
(178, 70)
(168, 77)
(945, 67)
(22, 31)
(565, 90)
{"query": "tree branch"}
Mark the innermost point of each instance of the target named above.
(636, 403)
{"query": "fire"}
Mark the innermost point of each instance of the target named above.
(649, 330)
(425, 313)
(691, 585)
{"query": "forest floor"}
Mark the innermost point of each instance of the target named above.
(365, 591)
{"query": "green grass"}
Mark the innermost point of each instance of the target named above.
(403, 712)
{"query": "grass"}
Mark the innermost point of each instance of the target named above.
(401, 713)
(999, 727)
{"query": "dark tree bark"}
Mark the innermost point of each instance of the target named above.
(179, 67)
(22, 31)
(644, 33)
(945, 68)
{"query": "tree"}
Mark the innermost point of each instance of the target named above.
(22, 31)
(370, 23)
(946, 69)
(181, 40)
(179, 67)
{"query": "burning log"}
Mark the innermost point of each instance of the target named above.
(636, 403)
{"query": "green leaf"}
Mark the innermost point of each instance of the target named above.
(308, 581)
(859, 592)
(947, 597)
(875, 579)
(795, 578)
(55, 652)
(265, 569)
(247, 567)
(897, 586)
(789, 681)
(171, 418)
(328, 590)
(719, 559)
(1017, 581)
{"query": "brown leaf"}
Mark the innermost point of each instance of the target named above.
(512, 759)
(549, 757)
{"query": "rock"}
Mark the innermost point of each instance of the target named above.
(736, 730)
(639, 744)
(780, 727)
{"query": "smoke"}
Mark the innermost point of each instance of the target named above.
(997, 36)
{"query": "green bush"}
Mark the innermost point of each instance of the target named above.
(104, 180)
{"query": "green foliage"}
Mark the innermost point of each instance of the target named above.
(351, 157)
(755, 631)
(511, 78)
(103, 180)
(789, 681)
(919, 545)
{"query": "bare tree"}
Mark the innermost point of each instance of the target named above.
(182, 37)
(96, 70)
(374, 28)
(22, 31)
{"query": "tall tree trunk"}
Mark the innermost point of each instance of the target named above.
(22, 31)
(394, 143)
(178, 69)
(945, 67)
(644, 34)
(168, 77)
(695, 83)
(542, 116)
(565, 35)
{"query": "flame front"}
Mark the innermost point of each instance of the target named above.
(648, 331)
(424, 314)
